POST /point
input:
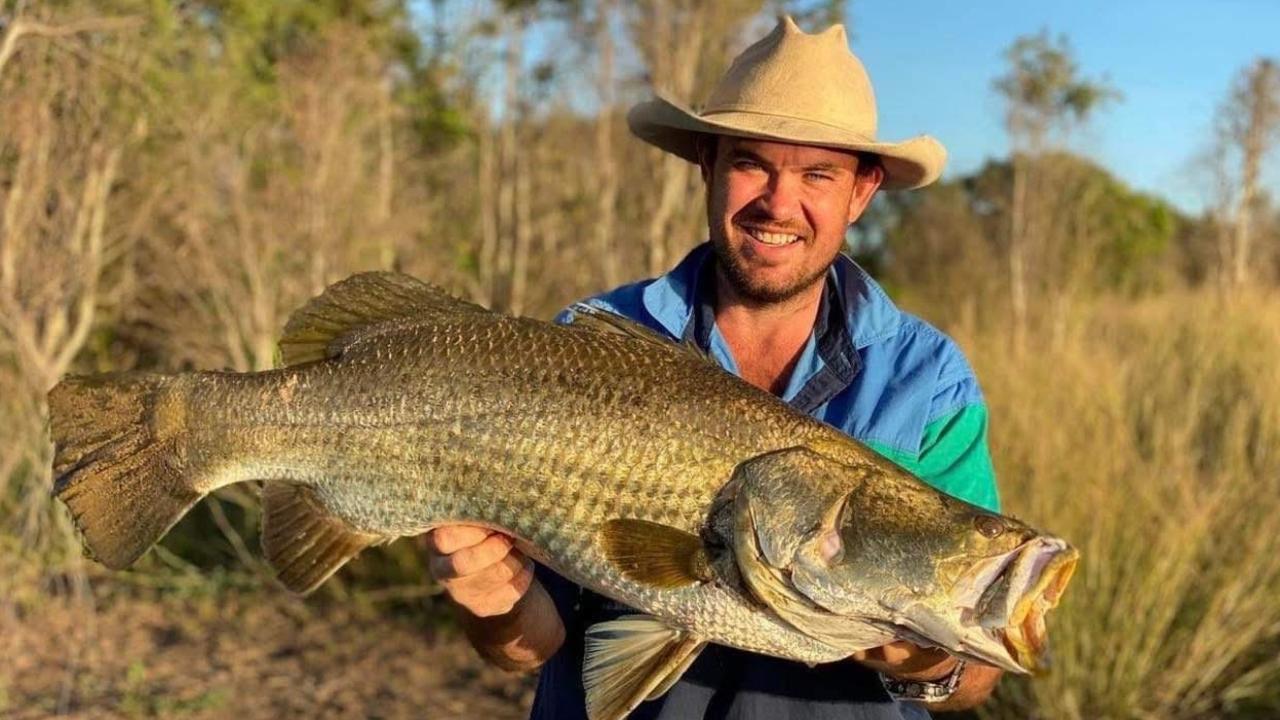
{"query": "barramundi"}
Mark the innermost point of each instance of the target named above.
(631, 465)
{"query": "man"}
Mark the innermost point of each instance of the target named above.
(787, 152)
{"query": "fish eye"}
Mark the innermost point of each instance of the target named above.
(989, 525)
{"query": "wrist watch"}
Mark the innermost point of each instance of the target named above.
(924, 691)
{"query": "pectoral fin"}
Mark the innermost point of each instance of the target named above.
(303, 543)
(633, 659)
(655, 554)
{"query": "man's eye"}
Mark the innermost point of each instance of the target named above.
(746, 165)
(817, 176)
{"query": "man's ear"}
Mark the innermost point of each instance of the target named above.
(865, 184)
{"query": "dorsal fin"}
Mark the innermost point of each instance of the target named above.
(359, 307)
(592, 318)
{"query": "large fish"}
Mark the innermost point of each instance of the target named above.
(629, 464)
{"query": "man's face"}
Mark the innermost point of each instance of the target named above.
(777, 213)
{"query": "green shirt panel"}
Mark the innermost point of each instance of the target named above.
(953, 457)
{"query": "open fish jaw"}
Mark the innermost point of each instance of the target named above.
(1023, 586)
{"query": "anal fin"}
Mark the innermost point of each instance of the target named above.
(303, 543)
(633, 659)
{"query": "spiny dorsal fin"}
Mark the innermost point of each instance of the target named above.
(655, 554)
(360, 306)
(630, 660)
(592, 318)
(302, 542)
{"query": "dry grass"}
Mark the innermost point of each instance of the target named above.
(187, 648)
(1149, 435)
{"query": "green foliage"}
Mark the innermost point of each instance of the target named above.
(949, 238)
(1140, 230)
(1043, 89)
(243, 43)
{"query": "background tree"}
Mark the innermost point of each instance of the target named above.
(63, 242)
(1248, 129)
(1045, 98)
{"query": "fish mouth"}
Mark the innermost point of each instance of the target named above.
(1018, 589)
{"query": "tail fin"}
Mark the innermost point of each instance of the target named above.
(116, 461)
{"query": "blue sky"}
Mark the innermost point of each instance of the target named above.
(932, 64)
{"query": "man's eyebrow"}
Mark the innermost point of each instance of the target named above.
(824, 166)
(739, 153)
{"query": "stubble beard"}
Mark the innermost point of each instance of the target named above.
(755, 290)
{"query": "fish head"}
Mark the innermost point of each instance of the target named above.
(854, 547)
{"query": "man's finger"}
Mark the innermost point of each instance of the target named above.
(514, 570)
(499, 598)
(472, 559)
(452, 538)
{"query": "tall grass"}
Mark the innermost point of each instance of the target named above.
(1149, 436)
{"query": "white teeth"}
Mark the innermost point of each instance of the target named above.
(769, 238)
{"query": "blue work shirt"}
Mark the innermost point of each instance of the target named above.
(879, 374)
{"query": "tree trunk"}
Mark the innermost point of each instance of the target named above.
(676, 63)
(507, 152)
(486, 262)
(1017, 253)
(1253, 122)
(386, 179)
(606, 165)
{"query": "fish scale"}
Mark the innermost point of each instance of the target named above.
(502, 473)
(609, 479)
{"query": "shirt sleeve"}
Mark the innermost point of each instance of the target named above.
(954, 456)
(563, 593)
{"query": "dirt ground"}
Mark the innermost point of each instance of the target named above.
(243, 655)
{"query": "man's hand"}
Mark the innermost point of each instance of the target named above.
(480, 569)
(506, 613)
(908, 661)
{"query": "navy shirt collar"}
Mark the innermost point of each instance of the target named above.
(855, 312)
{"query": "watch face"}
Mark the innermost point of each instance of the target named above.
(924, 690)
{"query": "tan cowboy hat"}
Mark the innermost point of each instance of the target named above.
(793, 87)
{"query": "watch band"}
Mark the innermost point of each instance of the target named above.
(925, 691)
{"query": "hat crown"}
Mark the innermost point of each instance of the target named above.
(791, 73)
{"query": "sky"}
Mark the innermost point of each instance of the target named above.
(932, 65)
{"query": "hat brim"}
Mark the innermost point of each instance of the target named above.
(670, 126)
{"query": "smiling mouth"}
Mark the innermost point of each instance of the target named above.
(774, 239)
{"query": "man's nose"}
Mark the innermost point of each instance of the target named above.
(781, 197)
